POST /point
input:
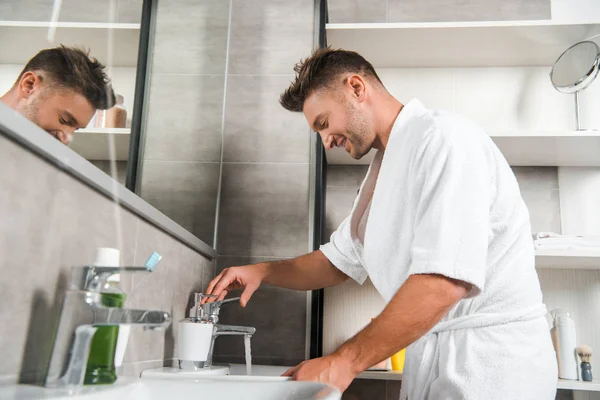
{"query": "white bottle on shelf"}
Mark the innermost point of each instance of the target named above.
(564, 339)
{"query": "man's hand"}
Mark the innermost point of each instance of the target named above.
(247, 278)
(333, 369)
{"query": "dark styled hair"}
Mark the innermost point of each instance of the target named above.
(73, 69)
(321, 70)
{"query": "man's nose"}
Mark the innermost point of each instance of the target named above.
(328, 142)
(67, 135)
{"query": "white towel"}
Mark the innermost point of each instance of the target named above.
(555, 241)
(444, 201)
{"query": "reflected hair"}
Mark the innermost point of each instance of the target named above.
(73, 69)
(323, 69)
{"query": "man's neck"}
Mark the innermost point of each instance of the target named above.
(387, 111)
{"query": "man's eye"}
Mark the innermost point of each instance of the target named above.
(62, 121)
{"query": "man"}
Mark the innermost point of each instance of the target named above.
(59, 90)
(440, 228)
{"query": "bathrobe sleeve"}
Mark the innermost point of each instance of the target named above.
(452, 182)
(340, 251)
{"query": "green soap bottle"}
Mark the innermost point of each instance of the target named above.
(101, 361)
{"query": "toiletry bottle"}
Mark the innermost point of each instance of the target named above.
(116, 117)
(101, 361)
(564, 340)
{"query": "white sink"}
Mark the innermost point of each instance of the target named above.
(157, 389)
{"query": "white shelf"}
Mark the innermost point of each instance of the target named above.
(465, 44)
(97, 143)
(387, 375)
(112, 44)
(593, 386)
(524, 148)
(567, 259)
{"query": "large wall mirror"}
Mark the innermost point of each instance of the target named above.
(162, 140)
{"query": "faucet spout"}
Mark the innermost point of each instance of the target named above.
(148, 319)
(220, 330)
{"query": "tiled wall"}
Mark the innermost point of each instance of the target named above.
(342, 11)
(51, 222)
(372, 389)
(122, 11)
(182, 151)
(264, 199)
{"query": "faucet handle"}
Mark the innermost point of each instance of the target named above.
(229, 300)
(210, 311)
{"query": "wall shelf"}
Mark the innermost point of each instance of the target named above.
(95, 143)
(113, 44)
(524, 148)
(593, 386)
(567, 259)
(464, 44)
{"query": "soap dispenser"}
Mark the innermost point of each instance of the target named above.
(565, 341)
(101, 365)
(194, 337)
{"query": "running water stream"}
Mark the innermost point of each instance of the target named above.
(248, 354)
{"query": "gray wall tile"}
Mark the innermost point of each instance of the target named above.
(120, 169)
(279, 316)
(125, 11)
(366, 389)
(339, 200)
(31, 10)
(87, 11)
(184, 118)
(544, 210)
(466, 10)
(185, 191)
(129, 11)
(264, 210)
(257, 127)
(355, 11)
(270, 36)
(537, 178)
(191, 37)
(346, 175)
(393, 390)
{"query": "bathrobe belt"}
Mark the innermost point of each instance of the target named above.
(482, 320)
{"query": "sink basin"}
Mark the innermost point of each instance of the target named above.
(157, 389)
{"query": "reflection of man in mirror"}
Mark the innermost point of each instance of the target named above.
(59, 90)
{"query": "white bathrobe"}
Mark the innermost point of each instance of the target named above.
(443, 200)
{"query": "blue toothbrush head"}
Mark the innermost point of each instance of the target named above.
(153, 261)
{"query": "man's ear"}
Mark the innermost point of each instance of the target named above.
(28, 84)
(358, 86)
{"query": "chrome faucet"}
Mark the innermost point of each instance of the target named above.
(82, 312)
(208, 313)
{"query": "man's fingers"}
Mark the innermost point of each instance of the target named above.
(222, 295)
(247, 294)
(223, 284)
(290, 372)
(212, 285)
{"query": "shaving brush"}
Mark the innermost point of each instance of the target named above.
(585, 354)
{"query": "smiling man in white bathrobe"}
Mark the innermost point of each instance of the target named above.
(440, 228)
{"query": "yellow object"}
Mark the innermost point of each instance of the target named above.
(398, 361)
